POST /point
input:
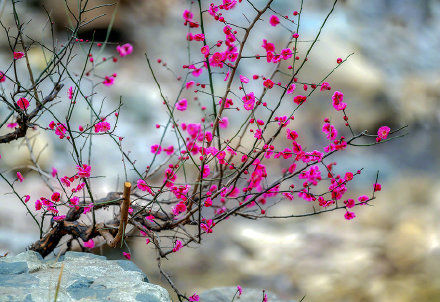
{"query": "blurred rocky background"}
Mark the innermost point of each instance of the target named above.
(391, 251)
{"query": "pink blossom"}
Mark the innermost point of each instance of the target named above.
(70, 93)
(205, 50)
(207, 226)
(189, 84)
(150, 218)
(194, 298)
(258, 134)
(2, 77)
(337, 99)
(377, 187)
(187, 15)
(208, 202)
(286, 53)
(38, 205)
(56, 197)
(229, 4)
(194, 130)
(249, 101)
(89, 244)
(243, 79)
(206, 171)
(268, 83)
(197, 72)
(182, 105)
(348, 176)
(337, 188)
(299, 99)
(283, 121)
(363, 198)
(228, 103)
(270, 47)
(102, 127)
(383, 132)
(74, 200)
(88, 208)
(18, 55)
(170, 177)
(156, 149)
(169, 150)
(224, 122)
(330, 130)
(127, 255)
(142, 185)
(349, 203)
(20, 177)
(108, 81)
(257, 175)
(59, 218)
(313, 175)
(179, 208)
(84, 171)
(23, 103)
(217, 59)
(27, 198)
(124, 50)
(325, 86)
(291, 134)
(213, 9)
(274, 20)
(177, 246)
(240, 290)
(349, 215)
(199, 37)
(54, 172)
(65, 181)
(60, 129)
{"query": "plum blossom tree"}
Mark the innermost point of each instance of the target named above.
(219, 148)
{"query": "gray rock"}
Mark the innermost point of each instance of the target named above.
(28, 298)
(8, 268)
(23, 281)
(86, 277)
(225, 294)
(146, 298)
(130, 266)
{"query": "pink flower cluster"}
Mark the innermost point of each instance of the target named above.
(60, 129)
(102, 126)
(272, 56)
(124, 50)
(337, 99)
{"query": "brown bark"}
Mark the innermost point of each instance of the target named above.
(124, 215)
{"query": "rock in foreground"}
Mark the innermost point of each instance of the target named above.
(86, 277)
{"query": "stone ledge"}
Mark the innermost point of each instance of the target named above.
(86, 277)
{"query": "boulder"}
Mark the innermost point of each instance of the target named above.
(85, 277)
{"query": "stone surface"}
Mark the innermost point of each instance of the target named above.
(86, 277)
(226, 294)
